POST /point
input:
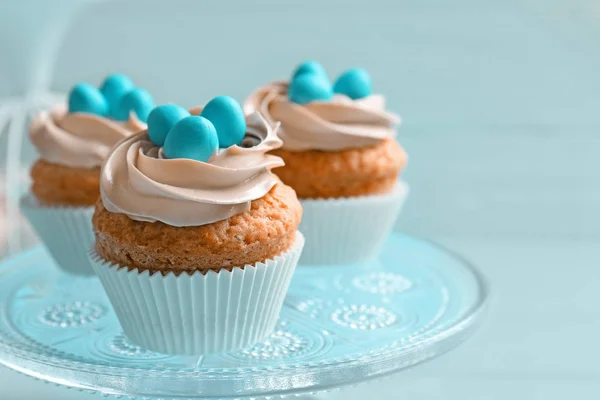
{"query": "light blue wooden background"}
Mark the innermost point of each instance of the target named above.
(501, 101)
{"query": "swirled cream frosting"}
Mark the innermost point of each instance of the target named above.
(329, 126)
(78, 140)
(137, 180)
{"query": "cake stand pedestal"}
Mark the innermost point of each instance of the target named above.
(340, 326)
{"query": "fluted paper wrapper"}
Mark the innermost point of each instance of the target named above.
(199, 314)
(66, 232)
(351, 229)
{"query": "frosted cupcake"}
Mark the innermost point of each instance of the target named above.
(340, 156)
(73, 140)
(196, 246)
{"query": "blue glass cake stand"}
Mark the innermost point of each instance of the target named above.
(340, 326)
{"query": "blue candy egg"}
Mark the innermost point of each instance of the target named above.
(193, 137)
(137, 100)
(310, 67)
(354, 83)
(309, 87)
(228, 118)
(85, 98)
(113, 88)
(162, 119)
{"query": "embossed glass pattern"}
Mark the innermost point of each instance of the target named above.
(339, 326)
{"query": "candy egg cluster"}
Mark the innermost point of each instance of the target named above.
(220, 124)
(116, 99)
(310, 83)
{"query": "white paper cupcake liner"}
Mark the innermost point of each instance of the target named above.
(199, 314)
(351, 229)
(66, 232)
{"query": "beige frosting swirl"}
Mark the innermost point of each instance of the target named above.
(330, 126)
(78, 140)
(137, 180)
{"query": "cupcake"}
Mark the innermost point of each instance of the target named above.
(73, 141)
(195, 243)
(341, 158)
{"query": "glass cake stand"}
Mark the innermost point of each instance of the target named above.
(340, 326)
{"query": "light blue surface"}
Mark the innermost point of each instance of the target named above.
(339, 325)
(500, 104)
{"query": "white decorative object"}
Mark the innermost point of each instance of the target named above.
(35, 29)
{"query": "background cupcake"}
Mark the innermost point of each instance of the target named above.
(196, 246)
(73, 141)
(340, 156)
